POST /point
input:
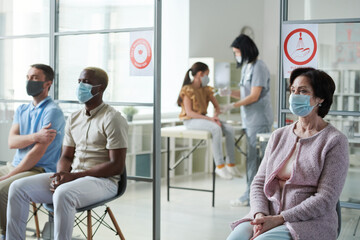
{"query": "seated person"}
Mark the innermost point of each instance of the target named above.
(92, 159)
(194, 99)
(36, 133)
(300, 179)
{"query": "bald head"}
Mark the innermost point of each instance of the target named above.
(100, 75)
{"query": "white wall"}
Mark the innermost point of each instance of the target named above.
(215, 24)
(174, 53)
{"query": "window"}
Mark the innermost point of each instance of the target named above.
(113, 57)
(16, 56)
(70, 35)
(322, 9)
(21, 17)
(83, 15)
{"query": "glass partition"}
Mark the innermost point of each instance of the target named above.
(338, 54)
(105, 14)
(21, 17)
(16, 56)
(113, 57)
(70, 35)
(322, 9)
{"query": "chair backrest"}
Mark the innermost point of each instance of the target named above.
(122, 183)
(121, 189)
(338, 211)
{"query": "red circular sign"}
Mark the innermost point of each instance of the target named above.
(287, 40)
(140, 53)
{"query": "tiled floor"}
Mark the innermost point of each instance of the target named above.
(189, 214)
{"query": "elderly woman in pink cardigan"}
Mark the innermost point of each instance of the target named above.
(298, 184)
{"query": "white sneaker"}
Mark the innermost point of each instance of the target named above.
(239, 203)
(223, 173)
(233, 171)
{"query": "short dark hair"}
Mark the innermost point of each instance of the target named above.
(47, 70)
(322, 84)
(247, 47)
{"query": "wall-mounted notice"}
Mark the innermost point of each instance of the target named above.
(300, 45)
(348, 43)
(141, 54)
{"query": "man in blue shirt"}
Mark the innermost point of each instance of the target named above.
(37, 134)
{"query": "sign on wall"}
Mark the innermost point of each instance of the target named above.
(348, 43)
(141, 54)
(300, 46)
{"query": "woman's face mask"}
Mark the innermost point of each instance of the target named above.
(83, 92)
(238, 59)
(205, 80)
(300, 105)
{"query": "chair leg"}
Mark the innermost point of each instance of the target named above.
(36, 219)
(115, 223)
(89, 225)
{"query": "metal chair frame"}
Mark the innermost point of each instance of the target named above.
(80, 219)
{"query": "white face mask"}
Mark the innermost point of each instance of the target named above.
(238, 59)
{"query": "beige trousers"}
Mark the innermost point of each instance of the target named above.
(4, 189)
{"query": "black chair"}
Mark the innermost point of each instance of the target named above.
(99, 219)
(338, 210)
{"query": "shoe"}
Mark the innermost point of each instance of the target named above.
(239, 203)
(242, 201)
(223, 173)
(233, 171)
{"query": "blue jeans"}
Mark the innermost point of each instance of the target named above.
(252, 160)
(244, 231)
(217, 133)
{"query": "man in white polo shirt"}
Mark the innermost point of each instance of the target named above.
(93, 157)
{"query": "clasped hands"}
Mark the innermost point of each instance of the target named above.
(59, 178)
(264, 223)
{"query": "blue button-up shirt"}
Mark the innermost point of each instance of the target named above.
(32, 119)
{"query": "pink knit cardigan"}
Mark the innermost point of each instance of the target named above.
(309, 197)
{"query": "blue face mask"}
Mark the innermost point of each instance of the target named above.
(205, 80)
(83, 92)
(300, 105)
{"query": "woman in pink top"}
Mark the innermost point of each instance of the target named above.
(298, 184)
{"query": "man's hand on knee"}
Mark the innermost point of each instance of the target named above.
(60, 178)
